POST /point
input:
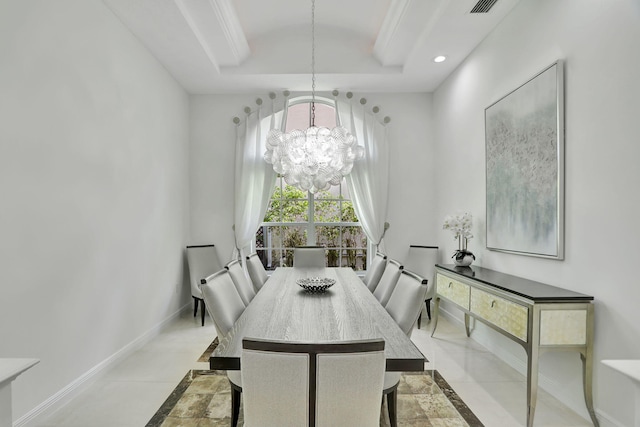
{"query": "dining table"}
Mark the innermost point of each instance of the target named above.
(347, 311)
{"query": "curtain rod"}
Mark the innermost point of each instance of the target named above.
(286, 93)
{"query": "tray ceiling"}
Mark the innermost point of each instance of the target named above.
(228, 46)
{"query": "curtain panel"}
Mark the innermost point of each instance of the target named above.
(368, 182)
(254, 178)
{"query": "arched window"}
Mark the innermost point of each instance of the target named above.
(298, 218)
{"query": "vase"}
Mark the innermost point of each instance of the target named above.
(463, 257)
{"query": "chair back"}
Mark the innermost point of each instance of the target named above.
(257, 273)
(312, 384)
(240, 279)
(405, 302)
(309, 257)
(203, 262)
(375, 270)
(222, 300)
(422, 260)
(388, 281)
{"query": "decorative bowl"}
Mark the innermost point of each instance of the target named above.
(315, 284)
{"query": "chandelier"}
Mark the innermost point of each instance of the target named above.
(317, 158)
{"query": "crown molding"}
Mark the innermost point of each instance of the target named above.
(230, 24)
(199, 16)
(389, 28)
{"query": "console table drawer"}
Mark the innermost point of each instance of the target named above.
(505, 314)
(453, 290)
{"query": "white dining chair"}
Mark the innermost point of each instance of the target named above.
(240, 279)
(202, 261)
(404, 306)
(422, 260)
(405, 303)
(225, 307)
(388, 281)
(309, 257)
(257, 273)
(292, 384)
(375, 270)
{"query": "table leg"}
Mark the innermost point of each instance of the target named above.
(532, 383)
(587, 369)
(466, 324)
(637, 404)
(5, 404)
(436, 310)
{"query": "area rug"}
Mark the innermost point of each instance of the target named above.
(203, 399)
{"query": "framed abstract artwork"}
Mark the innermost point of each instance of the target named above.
(524, 132)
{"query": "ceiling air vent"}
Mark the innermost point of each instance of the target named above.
(483, 6)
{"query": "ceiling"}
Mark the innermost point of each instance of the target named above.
(237, 46)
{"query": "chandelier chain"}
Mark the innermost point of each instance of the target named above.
(317, 158)
(313, 62)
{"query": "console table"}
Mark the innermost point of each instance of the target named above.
(537, 316)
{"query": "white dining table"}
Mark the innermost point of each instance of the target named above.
(282, 310)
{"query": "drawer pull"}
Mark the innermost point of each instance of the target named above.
(450, 283)
(493, 303)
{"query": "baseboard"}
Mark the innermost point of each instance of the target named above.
(607, 420)
(520, 364)
(74, 388)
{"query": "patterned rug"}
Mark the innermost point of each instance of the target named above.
(203, 399)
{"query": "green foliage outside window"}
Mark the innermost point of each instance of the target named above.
(334, 221)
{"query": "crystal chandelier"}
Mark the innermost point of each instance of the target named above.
(317, 158)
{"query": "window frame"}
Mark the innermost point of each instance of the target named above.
(311, 225)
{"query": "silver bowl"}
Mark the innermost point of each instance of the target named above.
(315, 284)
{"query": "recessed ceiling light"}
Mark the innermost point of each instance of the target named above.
(439, 58)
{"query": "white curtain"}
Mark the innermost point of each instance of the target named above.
(254, 177)
(368, 182)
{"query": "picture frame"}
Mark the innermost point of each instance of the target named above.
(524, 136)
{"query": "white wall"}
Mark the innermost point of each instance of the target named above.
(211, 169)
(600, 42)
(411, 207)
(94, 191)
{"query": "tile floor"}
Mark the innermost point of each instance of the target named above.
(129, 394)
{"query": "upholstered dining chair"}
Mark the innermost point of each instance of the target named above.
(422, 260)
(243, 285)
(225, 306)
(405, 303)
(388, 281)
(375, 270)
(257, 273)
(312, 384)
(404, 306)
(203, 261)
(308, 257)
